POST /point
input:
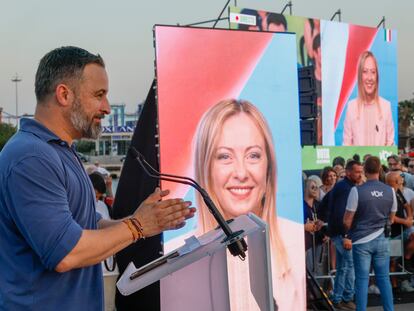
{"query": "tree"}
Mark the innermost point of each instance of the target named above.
(6, 131)
(85, 146)
(405, 119)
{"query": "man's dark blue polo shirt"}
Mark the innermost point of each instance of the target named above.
(46, 200)
(337, 199)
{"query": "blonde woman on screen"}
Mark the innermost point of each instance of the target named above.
(235, 162)
(368, 120)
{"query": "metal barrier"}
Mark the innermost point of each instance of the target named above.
(397, 250)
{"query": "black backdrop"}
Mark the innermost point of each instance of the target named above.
(133, 187)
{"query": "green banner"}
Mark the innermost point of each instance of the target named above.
(318, 157)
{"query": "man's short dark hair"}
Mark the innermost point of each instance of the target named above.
(338, 161)
(350, 164)
(356, 157)
(98, 182)
(372, 165)
(64, 64)
(277, 19)
(405, 161)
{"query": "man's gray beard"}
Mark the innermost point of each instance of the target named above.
(80, 122)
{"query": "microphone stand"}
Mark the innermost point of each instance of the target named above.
(237, 245)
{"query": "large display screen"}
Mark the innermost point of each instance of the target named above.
(355, 70)
(229, 117)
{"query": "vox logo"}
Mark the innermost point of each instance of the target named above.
(377, 194)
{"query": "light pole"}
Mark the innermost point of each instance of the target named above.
(16, 79)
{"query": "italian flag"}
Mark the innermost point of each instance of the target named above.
(387, 35)
(235, 17)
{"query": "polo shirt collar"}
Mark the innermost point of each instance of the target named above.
(36, 128)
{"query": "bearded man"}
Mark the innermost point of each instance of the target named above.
(52, 240)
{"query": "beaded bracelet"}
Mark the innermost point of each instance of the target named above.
(136, 223)
(135, 227)
(134, 231)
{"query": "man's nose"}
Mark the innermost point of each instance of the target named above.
(106, 107)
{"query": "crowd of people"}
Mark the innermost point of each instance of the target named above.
(359, 206)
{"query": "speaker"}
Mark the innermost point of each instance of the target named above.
(307, 105)
(308, 131)
(308, 109)
(306, 78)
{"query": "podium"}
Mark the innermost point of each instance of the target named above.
(195, 276)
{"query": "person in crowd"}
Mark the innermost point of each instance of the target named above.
(370, 208)
(340, 171)
(404, 163)
(343, 291)
(410, 166)
(338, 164)
(384, 169)
(109, 196)
(404, 214)
(314, 238)
(409, 251)
(403, 221)
(408, 192)
(365, 157)
(394, 164)
(99, 185)
(329, 178)
(52, 239)
(356, 157)
(368, 120)
(235, 162)
(338, 161)
(101, 170)
(109, 268)
(319, 183)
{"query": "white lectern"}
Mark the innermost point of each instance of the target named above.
(195, 276)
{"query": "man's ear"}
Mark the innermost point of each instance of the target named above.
(64, 95)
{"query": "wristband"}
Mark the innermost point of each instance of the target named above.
(136, 233)
(131, 228)
(138, 227)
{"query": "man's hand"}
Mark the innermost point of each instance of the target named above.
(319, 224)
(156, 216)
(347, 243)
(310, 226)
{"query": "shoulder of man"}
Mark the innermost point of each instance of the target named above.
(23, 146)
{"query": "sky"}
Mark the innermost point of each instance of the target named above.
(121, 32)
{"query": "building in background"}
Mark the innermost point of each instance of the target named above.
(117, 131)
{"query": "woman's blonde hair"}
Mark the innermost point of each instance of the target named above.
(207, 136)
(362, 96)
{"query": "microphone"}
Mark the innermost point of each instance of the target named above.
(237, 245)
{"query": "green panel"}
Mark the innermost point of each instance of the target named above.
(318, 157)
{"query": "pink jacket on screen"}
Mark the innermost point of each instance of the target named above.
(368, 125)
